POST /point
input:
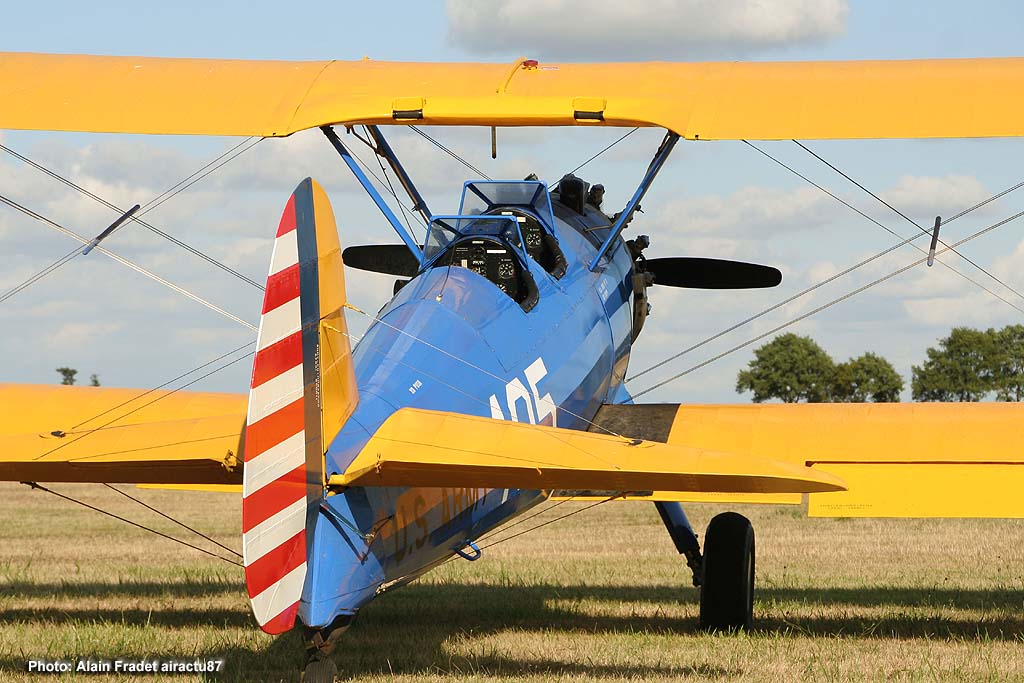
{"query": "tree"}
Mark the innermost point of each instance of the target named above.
(790, 368)
(867, 378)
(961, 369)
(94, 380)
(1008, 363)
(67, 375)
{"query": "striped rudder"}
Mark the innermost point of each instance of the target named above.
(303, 390)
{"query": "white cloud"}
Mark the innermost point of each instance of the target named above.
(609, 30)
(821, 271)
(925, 197)
(73, 335)
(972, 305)
(750, 211)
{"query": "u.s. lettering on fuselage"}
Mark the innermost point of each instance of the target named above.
(521, 401)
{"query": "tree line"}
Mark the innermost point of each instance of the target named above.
(967, 365)
(67, 377)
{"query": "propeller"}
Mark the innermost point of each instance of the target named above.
(679, 271)
(710, 273)
(390, 259)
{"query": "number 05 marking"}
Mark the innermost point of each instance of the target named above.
(535, 408)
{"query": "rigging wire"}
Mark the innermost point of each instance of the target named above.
(87, 432)
(380, 586)
(838, 275)
(384, 185)
(120, 259)
(74, 429)
(628, 133)
(39, 275)
(34, 485)
(831, 303)
(155, 202)
(523, 520)
(617, 495)
(452, 154)
(552, 521)
(179, 523)
(391, 188)
(903, 215)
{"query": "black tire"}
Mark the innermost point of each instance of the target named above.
(727, 595)
(320, 669)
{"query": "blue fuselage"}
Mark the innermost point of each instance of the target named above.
(451, 340)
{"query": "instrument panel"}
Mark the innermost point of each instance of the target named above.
(540, 246)
(492, 260)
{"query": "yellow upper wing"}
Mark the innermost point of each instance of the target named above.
(707, 101)
(429, 448)
(58, 433)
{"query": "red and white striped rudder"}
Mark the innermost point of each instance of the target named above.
(285, 434)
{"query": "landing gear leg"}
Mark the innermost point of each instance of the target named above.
(320, 643)
(727, 596)
(682, 535)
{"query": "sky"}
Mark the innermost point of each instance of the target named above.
(715, 199)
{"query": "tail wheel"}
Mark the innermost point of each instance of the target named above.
(727, 596)
(320, 669)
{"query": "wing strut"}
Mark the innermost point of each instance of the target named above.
(353, 166)
(624, 216)
(382, 148)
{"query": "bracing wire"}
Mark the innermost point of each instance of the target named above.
(552, 521)
(34, 485)
(527, 518)
(838, 275)
(626, 135)
(85, 433)
(123, 261)
(386, 185)
(831, 303)
(39, 275)
(172, 519)
(157, 388)
(902, 215)
(178, 187)
(391, 189)
(453, 155)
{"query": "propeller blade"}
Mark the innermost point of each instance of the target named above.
(711, 273)
(390, 259)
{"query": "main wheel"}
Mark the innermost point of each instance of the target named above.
(727, 595)
(320, 669)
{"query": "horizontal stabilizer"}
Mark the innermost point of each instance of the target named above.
(131, 436)
(428, 448)
(897, 459)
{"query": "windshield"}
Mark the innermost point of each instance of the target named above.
(444, 230)
(481, 196)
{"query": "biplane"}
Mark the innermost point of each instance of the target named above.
(495, 376)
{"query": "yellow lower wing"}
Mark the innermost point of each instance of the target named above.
(897, 460)
(89, 434)
(428, 448)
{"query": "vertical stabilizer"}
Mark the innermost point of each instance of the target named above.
(303, 391)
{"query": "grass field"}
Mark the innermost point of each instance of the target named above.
(599, 596)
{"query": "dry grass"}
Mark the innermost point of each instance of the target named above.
(599, 596)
